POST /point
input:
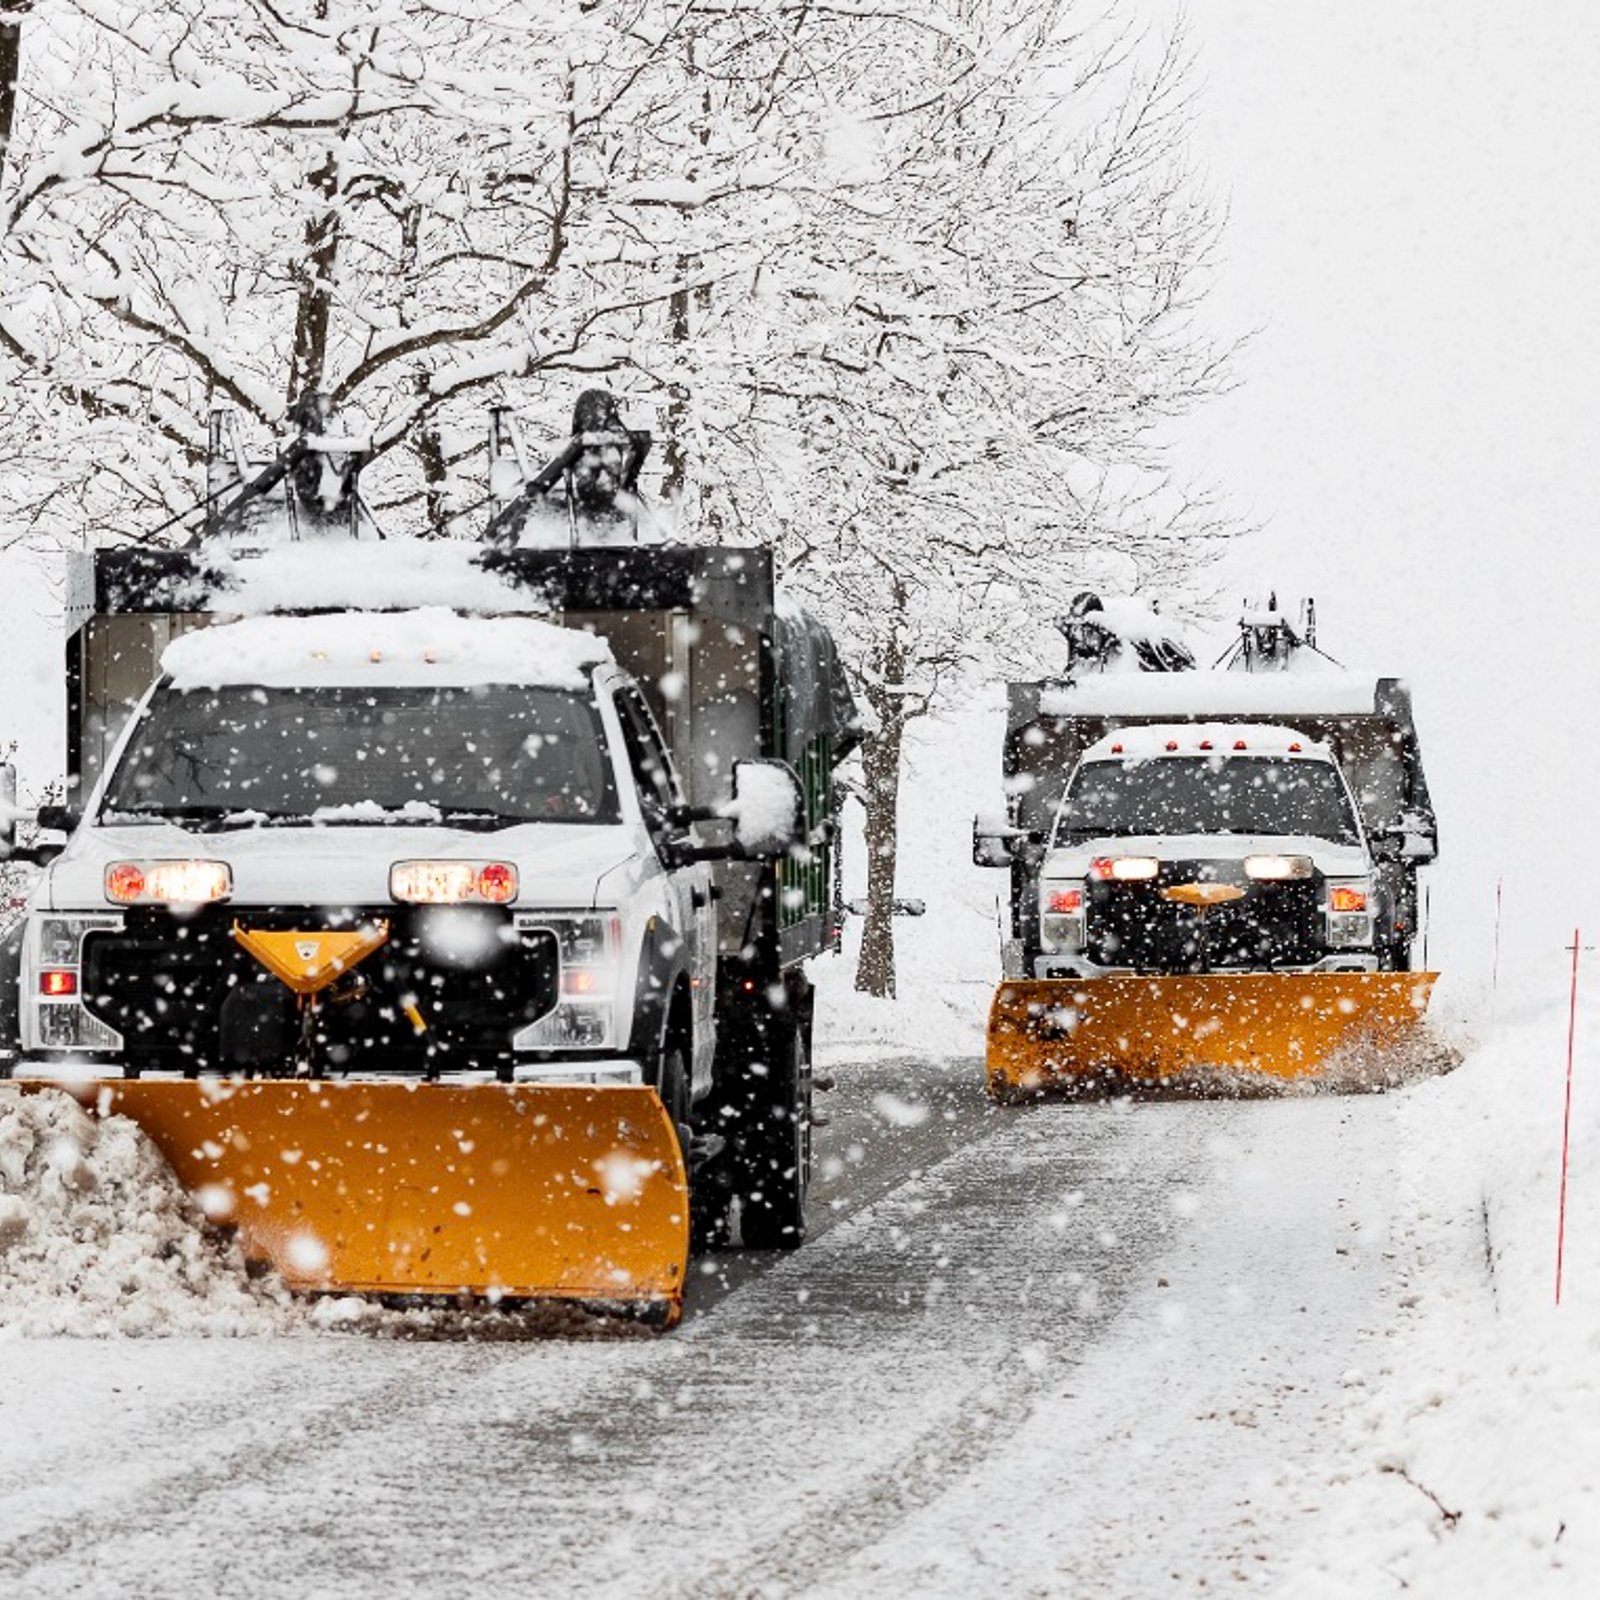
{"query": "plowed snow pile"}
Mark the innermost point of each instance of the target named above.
(96, 1236)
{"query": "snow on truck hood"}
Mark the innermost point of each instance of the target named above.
(559, 864)
(430, 646)
(1330, 859)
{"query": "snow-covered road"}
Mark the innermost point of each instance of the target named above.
(1101, 1350)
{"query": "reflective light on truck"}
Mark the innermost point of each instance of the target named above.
(1124, 869)
(124, 883)
(1342, 898)
(497, 883)
(444, 883)
(183, 883)
(57, 982)
(1277, 869)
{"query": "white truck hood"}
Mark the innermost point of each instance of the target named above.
(558, 864)
(1330, 859)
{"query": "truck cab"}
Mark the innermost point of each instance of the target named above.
(1190, 847)
(491, 795)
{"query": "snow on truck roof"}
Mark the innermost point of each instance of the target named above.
(1303, 692)
(1160, 740)
(363, 573)
(393, 649)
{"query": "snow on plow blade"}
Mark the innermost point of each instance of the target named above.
(512, 1191)
(1061, 1031)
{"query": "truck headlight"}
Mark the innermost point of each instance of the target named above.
(586, 1016)
(54, 1017)
(1349, 914)
(1061, 915)
(1124, 869)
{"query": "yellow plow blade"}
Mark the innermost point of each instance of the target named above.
(1284, 1025)
(514, 1191)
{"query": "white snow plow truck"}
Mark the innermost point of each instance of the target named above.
(1213, 873)
(448, 948)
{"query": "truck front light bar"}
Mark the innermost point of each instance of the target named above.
(453, 883)
(176, 883)
(1278, 869)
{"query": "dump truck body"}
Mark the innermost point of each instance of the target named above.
(630, 946)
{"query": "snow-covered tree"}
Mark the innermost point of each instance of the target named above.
(943, 403)
(907, 291)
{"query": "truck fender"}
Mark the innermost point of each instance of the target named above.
(661, 975)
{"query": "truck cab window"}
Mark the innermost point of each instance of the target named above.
(647, 756)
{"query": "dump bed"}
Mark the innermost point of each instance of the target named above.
(1367, 722)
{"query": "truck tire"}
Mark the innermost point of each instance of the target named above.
(777, 1150)
(672, 1084)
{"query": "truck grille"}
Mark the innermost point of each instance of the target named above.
(1273, 925)
(162, 982)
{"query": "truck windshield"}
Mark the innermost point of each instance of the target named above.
(1205, 794)
(482, 756)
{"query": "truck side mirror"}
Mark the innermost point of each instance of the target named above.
(8, 810)
(768, 809)
(64, 818)
(1402, 841)
(995, 842)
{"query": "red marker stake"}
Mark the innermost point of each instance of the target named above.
(1566, 1120)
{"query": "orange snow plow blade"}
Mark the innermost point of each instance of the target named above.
(1059, 1032)
(509, 1191)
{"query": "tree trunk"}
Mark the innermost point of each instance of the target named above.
(675, 475)
(11, 15)
(314, 310)
(880, 759)
(314, 306)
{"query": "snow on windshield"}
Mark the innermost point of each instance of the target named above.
(340, 753)
(1206, 794)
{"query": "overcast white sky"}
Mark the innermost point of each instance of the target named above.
(1414, 228)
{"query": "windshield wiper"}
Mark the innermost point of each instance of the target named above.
(482, 819)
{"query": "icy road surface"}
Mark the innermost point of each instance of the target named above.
(1070, 1350)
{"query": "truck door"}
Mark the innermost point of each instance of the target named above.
(690, 882)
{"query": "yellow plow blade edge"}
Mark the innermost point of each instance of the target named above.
(513, 1191)
(1282, 1025)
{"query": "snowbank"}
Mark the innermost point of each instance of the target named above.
(96, 1236)
(1474, 1432)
